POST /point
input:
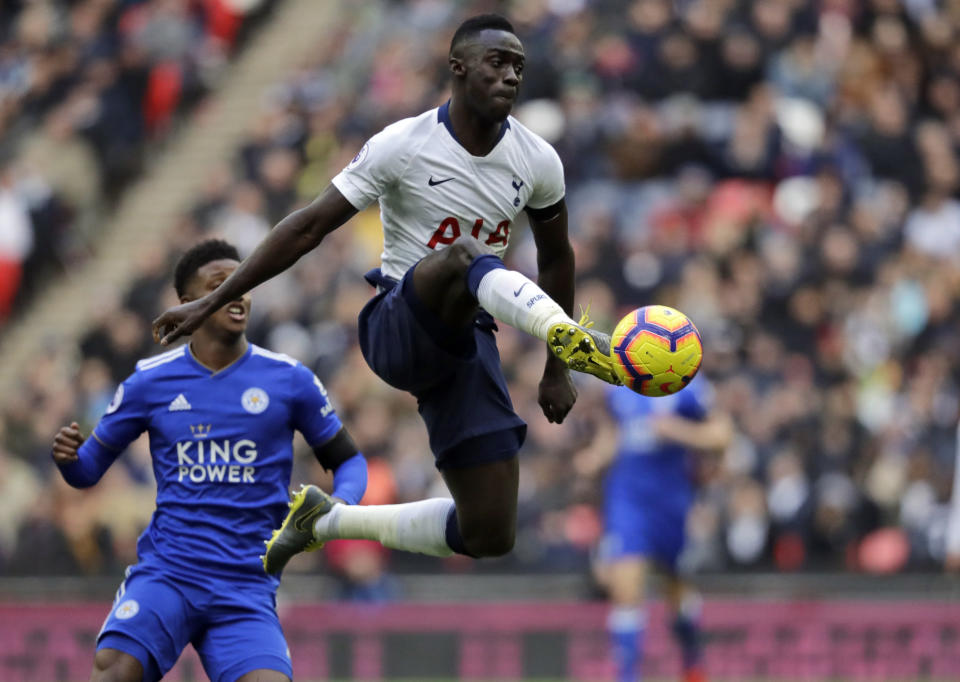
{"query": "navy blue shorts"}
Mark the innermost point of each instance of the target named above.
(234, 628)
(455, 375)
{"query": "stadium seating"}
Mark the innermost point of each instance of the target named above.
(87, 91)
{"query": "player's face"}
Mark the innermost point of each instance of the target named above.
(231, 318)
(492, 72)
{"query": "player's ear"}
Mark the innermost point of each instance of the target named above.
(457, 67)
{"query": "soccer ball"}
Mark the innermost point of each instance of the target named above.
(656, 350)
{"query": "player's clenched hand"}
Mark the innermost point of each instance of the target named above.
(180, 320)
(66, 443)
(557, 395)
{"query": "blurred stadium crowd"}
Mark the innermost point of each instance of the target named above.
(87, 89)
(784, 172)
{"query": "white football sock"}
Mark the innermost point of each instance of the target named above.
(626, 618)
(513, 298)
(413, 526)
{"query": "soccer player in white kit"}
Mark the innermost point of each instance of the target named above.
(450, 184)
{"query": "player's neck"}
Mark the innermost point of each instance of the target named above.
(216, 354)
(477, 135)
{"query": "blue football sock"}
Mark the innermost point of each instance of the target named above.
(626, 627)
(687, 632)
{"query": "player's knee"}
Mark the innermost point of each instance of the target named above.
(110, 665)
(444, 272)
(625, 595)
(490, 542)
(626, 587)
(463, 251)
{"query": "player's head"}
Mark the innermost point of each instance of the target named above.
(201, 270)
(486, 62)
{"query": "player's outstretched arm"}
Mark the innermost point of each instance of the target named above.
(555, 265)
(713, 433)
(295, 235)
(82, 461)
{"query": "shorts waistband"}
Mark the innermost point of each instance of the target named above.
(382, 282)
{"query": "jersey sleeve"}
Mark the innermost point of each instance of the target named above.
(696, 400)
(126, 416)
(548, 187)
(376, 166)
(313, 415)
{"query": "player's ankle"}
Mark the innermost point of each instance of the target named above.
(325, 527)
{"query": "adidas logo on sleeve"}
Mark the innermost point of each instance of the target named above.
(179, 404)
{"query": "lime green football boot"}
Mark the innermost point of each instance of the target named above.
(584, 349)
(295, 535)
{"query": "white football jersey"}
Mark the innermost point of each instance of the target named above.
(432, 191)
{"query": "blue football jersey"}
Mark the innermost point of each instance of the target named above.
(222, 448)
(655, 468)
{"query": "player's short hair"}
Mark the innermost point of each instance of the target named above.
(481, 22)
(199, 255)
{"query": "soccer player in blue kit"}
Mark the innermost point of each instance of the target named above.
(220, 413)
(647, 493)
(450, 184)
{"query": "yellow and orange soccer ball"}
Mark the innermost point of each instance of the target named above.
(656, 350)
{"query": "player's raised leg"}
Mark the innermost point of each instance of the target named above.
(686, 605)
(626, 622)
(315, 517)
(453, 281)
(480, 520)
(474, 432)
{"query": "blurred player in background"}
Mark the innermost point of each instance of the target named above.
(451, 183)
(648, 491)
(952, 553)
(220, 413)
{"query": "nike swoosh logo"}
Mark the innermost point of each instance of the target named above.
(305, 522)
(517, 292)
(434, 183)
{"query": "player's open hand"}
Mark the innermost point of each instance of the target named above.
(66, 444)
(557, 395)
(180, 320)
